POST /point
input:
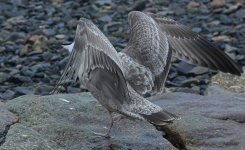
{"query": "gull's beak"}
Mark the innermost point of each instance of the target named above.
(69, 47)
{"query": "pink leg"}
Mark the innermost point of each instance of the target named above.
(107, 135)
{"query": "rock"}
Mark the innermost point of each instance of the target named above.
(122, 9)
(139, 5)
(184, 68)
(20, 79)
(224, 38)
(178, 80)
(6, 120)
(232, 8)
(8, 94)
(190, 82)
(41, 43)
(16, 20)
(33, 38)
(230, 49)
(198, 70)
(192, 5)
(23, 90)
(67, 121)
(42, 89)
(208, 122)
(2, 49)
(73, 89)
(3, 77)
(60, 36)
(72, 23)
(196, 29)
(30, 140)
(218, 3)
(230, 82)
(4, 35)
(25, 50)
(47, 56)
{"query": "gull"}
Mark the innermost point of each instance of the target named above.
(117, 80)
(154, 41)
(96, 63)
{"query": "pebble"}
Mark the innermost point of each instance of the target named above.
(8, 94)
(196, 29)
(3, 77)
(60, 36)
(192, 4)
(217, 3)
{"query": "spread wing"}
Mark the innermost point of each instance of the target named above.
(94, 60)
(149, 47)
(193, 48)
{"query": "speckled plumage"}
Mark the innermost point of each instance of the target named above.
(98, 66)
(116, 80)
(154, 40)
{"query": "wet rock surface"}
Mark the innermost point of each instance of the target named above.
(66, 122)
(32, 32)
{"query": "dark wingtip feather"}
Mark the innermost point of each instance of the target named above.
(161, 118)
(238, 70)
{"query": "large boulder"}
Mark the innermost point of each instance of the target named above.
(208, 122)
(67, 122)
(6, 120)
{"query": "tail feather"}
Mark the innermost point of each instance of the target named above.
(160, 118)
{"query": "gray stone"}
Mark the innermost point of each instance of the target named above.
(67, 121)
(3, 77)
(208, 122)
(8, 94)
(6, 119)
(198, 70)
(29, 139)
(230, 82)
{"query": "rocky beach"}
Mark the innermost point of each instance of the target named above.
(32, 59)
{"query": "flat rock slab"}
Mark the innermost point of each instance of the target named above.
(66, 122)
(6, 120)
(216, 121)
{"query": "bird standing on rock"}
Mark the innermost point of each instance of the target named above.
(117, 80)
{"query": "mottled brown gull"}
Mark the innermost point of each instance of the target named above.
(154, 40)
(116, 80)
(97, 65)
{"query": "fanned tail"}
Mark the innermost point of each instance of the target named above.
(160, 118)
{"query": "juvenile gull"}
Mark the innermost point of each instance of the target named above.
(153, 41)
(97, 65)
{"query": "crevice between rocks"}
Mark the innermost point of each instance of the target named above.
(173, 137)
(233, 118)
(5, 132)
(230, 119)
